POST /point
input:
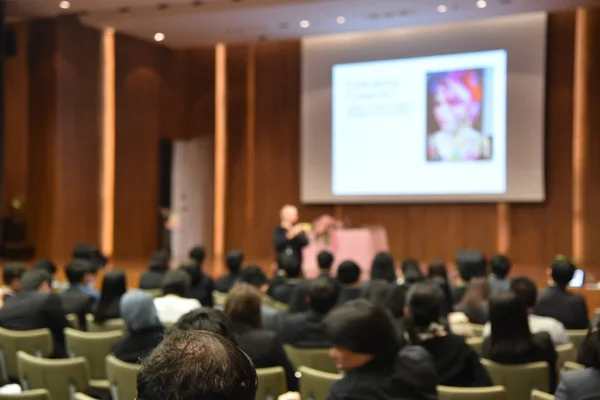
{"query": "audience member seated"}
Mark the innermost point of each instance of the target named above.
(48, 266)
(390, 296)
(91, 253)
(583, 385)
(114, 287)
(36, 307)
(206, 319)
(194, 365)
(500, 266)
(202, 285)
(143, 329)
(456, 362)
(526, 290)
(283, 285)
(174, 303)
(306, 330)
(348, 275)
(233, 261)
(383, 268)
(254, 276)
(11, 276)
(263, 346)
(556, 301)
(298, 299)
(511, 341)
(157, 268)
(76, 299)
(438, 273)
(475, 301)
(471, 264)
(411, 272)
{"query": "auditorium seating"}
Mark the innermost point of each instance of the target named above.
(73, 321)
(565, 352)
(122, 378)
(475, 343)
(481, 393)
(94, 346)
(271, 383)
(539, 395)
(36, 394)
(219, 298)
(117, 324)
(312, 358)
(315, 384)
(82, 396)
(519, 380)
(572, 366)
(37, 342)
(577, 337)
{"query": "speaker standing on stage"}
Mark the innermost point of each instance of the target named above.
(288, 237)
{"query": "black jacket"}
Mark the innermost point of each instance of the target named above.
(35, 310)
(112, 310)
(74, 301)
(304, 330)
(225, 283)
(282, 244)
(282, 289)
(152, 279)
(266, 350)
(568, 308)
(301, 291)
(135, 346)
(411, 376)
(349, 294)
(202, 291)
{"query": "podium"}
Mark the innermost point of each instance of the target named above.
(357, 244)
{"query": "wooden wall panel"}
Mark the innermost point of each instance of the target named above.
(199, 83)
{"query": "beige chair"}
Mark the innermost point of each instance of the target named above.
(37, 394)
(154, 292)
(519, 380)
(81, 396)
(477, 330)
(315, 384)
(122, 377)
(539, 395)
(565, 352)
(577, 337)
(313, 358)
(219, 298)
(117, 324)
(271, 383)
(94, 346)
(37, 342)
(479, 393)
(73, 321)
(475, 343)
(573, 366)
(279, 306)
(62, 378)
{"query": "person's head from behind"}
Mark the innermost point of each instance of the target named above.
(36, 281)
(388, 295)
(290, 265)
(177, 283)
(348, 273)
(197, 253)
(46, 265)
(424, 304)
(288, 215)
(234, 261)
(437, 269)
(562, 272)
(206, 319)
(510, 326)
(525, 290)
(500, 266)
(590, 351)
(253, 275)
(323, 295)
(471, 264)
(80, 272)
(193, 365)
(325, 261)
(360, 332)
(411, 271)
(478, 292)
(243, 305)
(138, 311)
(12, 274)
(193, 270)
(159, 261)
(90, 253)
(114, 284)
(383, 268)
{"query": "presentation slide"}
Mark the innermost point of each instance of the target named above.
(427, 125)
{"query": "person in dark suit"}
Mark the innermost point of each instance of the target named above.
(263, 346)
(288, 237)
(298, 300)
(233, 262)
(11, 275)
(49, 266)
(288, 277)
(558, 303)
(348, 275)
(36, 307)
(75, 299)
(306, 330)
(157, 268)
(202, 285)
(254, 276)
(114, 287)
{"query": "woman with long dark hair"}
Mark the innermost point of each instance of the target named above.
(383, 268)
(114, 287)
(511, 341)
(475, 301)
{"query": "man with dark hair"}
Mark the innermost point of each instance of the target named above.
(305, 329)
(49, 266)
(233, 262)
(192, 365)
(348, 275)
(98, 261)
(157, 268)
(500, 266)
(202, 285)
(36, 307)
(288, 277)
(198, 254)
(206, 319)
(526, 291)
(557, 302)
(76, 299)
(471, 264)
(11, 275)
(174, 303)
(254, 276)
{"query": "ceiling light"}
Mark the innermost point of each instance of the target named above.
(159, 37)
(341, 20)
(481, 4)
(442, 8)
(304, 24)
(65, 5)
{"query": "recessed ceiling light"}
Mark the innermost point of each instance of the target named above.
(341, 20)
(304, 24)
(442, 8)
(159, 37)
(481, 4)
(65, 5)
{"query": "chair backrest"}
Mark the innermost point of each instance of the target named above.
(81, 396)
(62, 378)
(519, 379)
(275, 304)
(477, 330)
(315, 384)
(539, 395)
(573, 366)
(117, 324)
(313, 358)
(94, 346)
(73, 321)
(219, 298)
(271, 383)
(37, 342)
(122, 377)
(475, 343)
(577, 337)
(154, 292)
(479, 393)
(565, 352)
(37, 394)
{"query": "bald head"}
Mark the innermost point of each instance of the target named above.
(289, 214)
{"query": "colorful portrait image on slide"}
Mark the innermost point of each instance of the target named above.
(457, 116)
